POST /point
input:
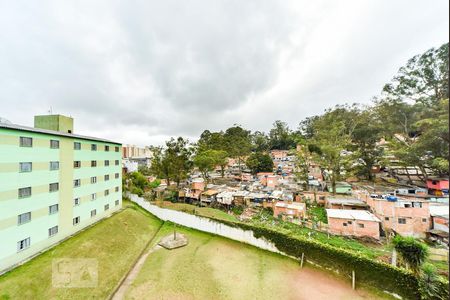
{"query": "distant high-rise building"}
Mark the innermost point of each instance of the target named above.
(53, 183)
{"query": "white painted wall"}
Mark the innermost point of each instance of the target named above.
(205, 224)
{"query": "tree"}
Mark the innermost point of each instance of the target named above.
(412, 251)
(303, 160)
(259, 162)
(238, 143)
(281, 137)
(172, 162)
(207, 160)
(260, 142)
(423, 79)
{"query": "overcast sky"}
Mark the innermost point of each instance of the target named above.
(142, 71)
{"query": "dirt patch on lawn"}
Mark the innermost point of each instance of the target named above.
(310, 283)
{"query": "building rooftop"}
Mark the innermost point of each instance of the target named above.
(53, 132)
(362, 215)
(343, 201)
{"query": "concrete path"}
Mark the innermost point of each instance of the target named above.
(120, 293)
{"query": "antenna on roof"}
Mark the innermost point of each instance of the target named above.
(50, 111)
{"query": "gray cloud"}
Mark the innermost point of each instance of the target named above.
(142, 71)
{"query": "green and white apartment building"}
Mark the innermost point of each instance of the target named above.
(53, 183)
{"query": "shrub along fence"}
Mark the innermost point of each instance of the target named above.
(373, 273)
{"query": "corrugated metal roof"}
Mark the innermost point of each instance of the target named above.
(362, 215)
(53, 132)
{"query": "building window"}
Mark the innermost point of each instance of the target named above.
(116, 202)
(93, 147)
(116, 162)
(53, 209)
(77, 146)
(54, 165)
(401, 221)
(23, 244)
(76, 201)
(349, 222)
(54, 144)
(25, 167)
(361, 225)
(106, 206)
(93, 196)
(93, 163)
(94, 179)
(53, 187)
(424, 220)
(344, 224)
(106, 163)
(106, 148)
(26, 142)
(116, 175)
(386, 218)
(106, 192)
(77, 182)
(77, 164)
(52, 231)
(117, 189)
(116, 149)
(106, 177)
(93, 213)
(25, 192)
(24, 218)
(76, 220)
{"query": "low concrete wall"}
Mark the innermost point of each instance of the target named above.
(205, 224)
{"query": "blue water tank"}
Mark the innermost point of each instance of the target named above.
(391, 198)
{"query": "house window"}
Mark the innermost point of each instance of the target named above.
(106, 177)
(344, 224)
(76, 201)
(106, 192)
(417, 204)
(93, 163)
(386, 218)
(93, 213)
(25, 192)
(116, 162)
(77, 182)
(106, 206)
(93, 147)
(117, 189)
(76, 220)
(116, 202)
(106, 148)
(116, 149)
(94, 179)
(25, 167)
(93, 196)
(116, 175)
(53, 209)
(77, 164)
(24, 218)
(77, 146)
(26, 142)
(361, 225)
(52, 231)
(54, 165)
(349, 222)
(106, 163)
(53, 187)
(401, 221)
(424, 220)
(23, 244)
(54, 144)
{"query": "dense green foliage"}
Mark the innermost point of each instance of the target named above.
(259, 162)
(411, 250)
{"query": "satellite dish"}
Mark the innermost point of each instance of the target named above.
(4, 121)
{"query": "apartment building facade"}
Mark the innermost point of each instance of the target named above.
(53, 183)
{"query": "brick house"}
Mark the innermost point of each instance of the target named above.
(405, 217)
(358, 223)
(437, 186)
(289, 210)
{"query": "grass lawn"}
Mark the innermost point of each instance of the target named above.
(201, 211)
(115, 242)
(212, 267)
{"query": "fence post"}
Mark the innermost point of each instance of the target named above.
(353, 279)
(301, 263)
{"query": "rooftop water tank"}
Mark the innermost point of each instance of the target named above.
(391, 198)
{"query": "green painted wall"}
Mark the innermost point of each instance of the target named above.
(54, 122)
(11, 154)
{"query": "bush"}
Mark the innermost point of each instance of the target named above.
(237, 210)
(411, 250)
